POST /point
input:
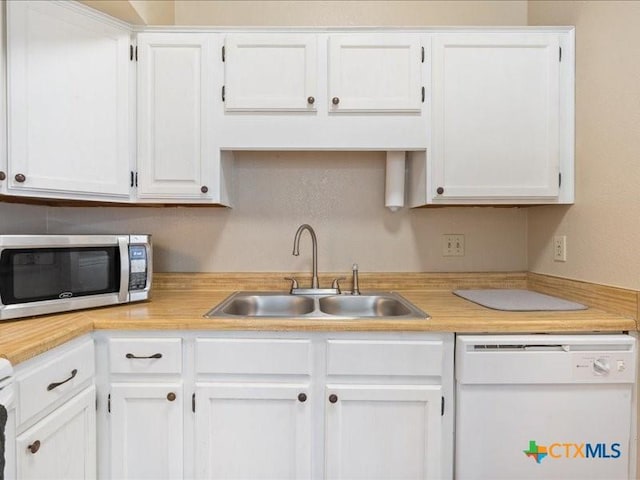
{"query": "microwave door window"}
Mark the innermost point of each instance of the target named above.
(48, 274)
(37, 275)
(94, 271)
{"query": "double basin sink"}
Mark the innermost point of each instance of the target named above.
(339, 307)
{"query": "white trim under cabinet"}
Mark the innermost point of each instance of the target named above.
(68, 102)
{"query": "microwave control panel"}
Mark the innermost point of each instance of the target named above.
(137, 267)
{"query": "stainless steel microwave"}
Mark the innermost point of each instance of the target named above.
(42, 274)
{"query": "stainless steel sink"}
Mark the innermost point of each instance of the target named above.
(262, 305)
(363, 306)
(272, 304)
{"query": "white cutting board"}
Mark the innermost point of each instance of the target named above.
(514, 300)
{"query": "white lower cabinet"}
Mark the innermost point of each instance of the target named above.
(146, 430)
(253, 431)
(63, 444)
(277, 405)
(383, 431)
(56, 412)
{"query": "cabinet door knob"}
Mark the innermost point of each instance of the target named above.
(311, 100)
(204, 189)
(3, 176)
(302, 397)
(333, 398)
(335, 100)
(440, 190)
(34, 447)
(171, 396)
(20, 178)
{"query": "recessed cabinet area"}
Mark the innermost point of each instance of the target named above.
(100, 111)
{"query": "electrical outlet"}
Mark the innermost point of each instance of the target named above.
(453, 245)
(560, 248)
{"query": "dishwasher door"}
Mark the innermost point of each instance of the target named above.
(545, 407)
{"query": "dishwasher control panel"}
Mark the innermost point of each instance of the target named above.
(607, 366)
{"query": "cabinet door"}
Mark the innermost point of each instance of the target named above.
(270, 72)
(63, 444)
(495, 116)
(68, 105)
(253, 431)
(383, 432)
(175, 157)
(146, 431)
(375, 73)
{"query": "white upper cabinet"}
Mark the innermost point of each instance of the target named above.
(496, 112)
(175, 158)
(265, 72)
(375, 73)
(68, 102)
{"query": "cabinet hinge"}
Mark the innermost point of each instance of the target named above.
(109, 403)
(193, 403)
(560, 54)
(223, 93)
(422, 55)
(559, 179)
(442, 407)
(422, 94)
(223, 52)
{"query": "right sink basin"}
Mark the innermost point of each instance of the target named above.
(379, 305)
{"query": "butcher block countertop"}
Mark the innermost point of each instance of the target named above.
(177, 305)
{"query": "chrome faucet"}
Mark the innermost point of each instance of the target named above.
(314, 241)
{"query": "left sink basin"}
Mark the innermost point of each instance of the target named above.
(264, 305)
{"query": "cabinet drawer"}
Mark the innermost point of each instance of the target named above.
(145, 355)
(253, 356)
(388, 357)
(55, 379)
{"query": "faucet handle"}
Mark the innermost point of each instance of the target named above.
(294, 283)
(336, 284)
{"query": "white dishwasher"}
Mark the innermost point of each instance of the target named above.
(545, 407)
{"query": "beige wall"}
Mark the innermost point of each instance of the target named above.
(340, 194)
(353, 12)
(603, 227)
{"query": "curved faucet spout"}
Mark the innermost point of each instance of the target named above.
(314, 241)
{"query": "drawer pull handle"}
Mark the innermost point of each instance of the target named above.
(171, 396)
(302, 397)
(155, 355)
(51, 386)
(333, 398)
(34, 447)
